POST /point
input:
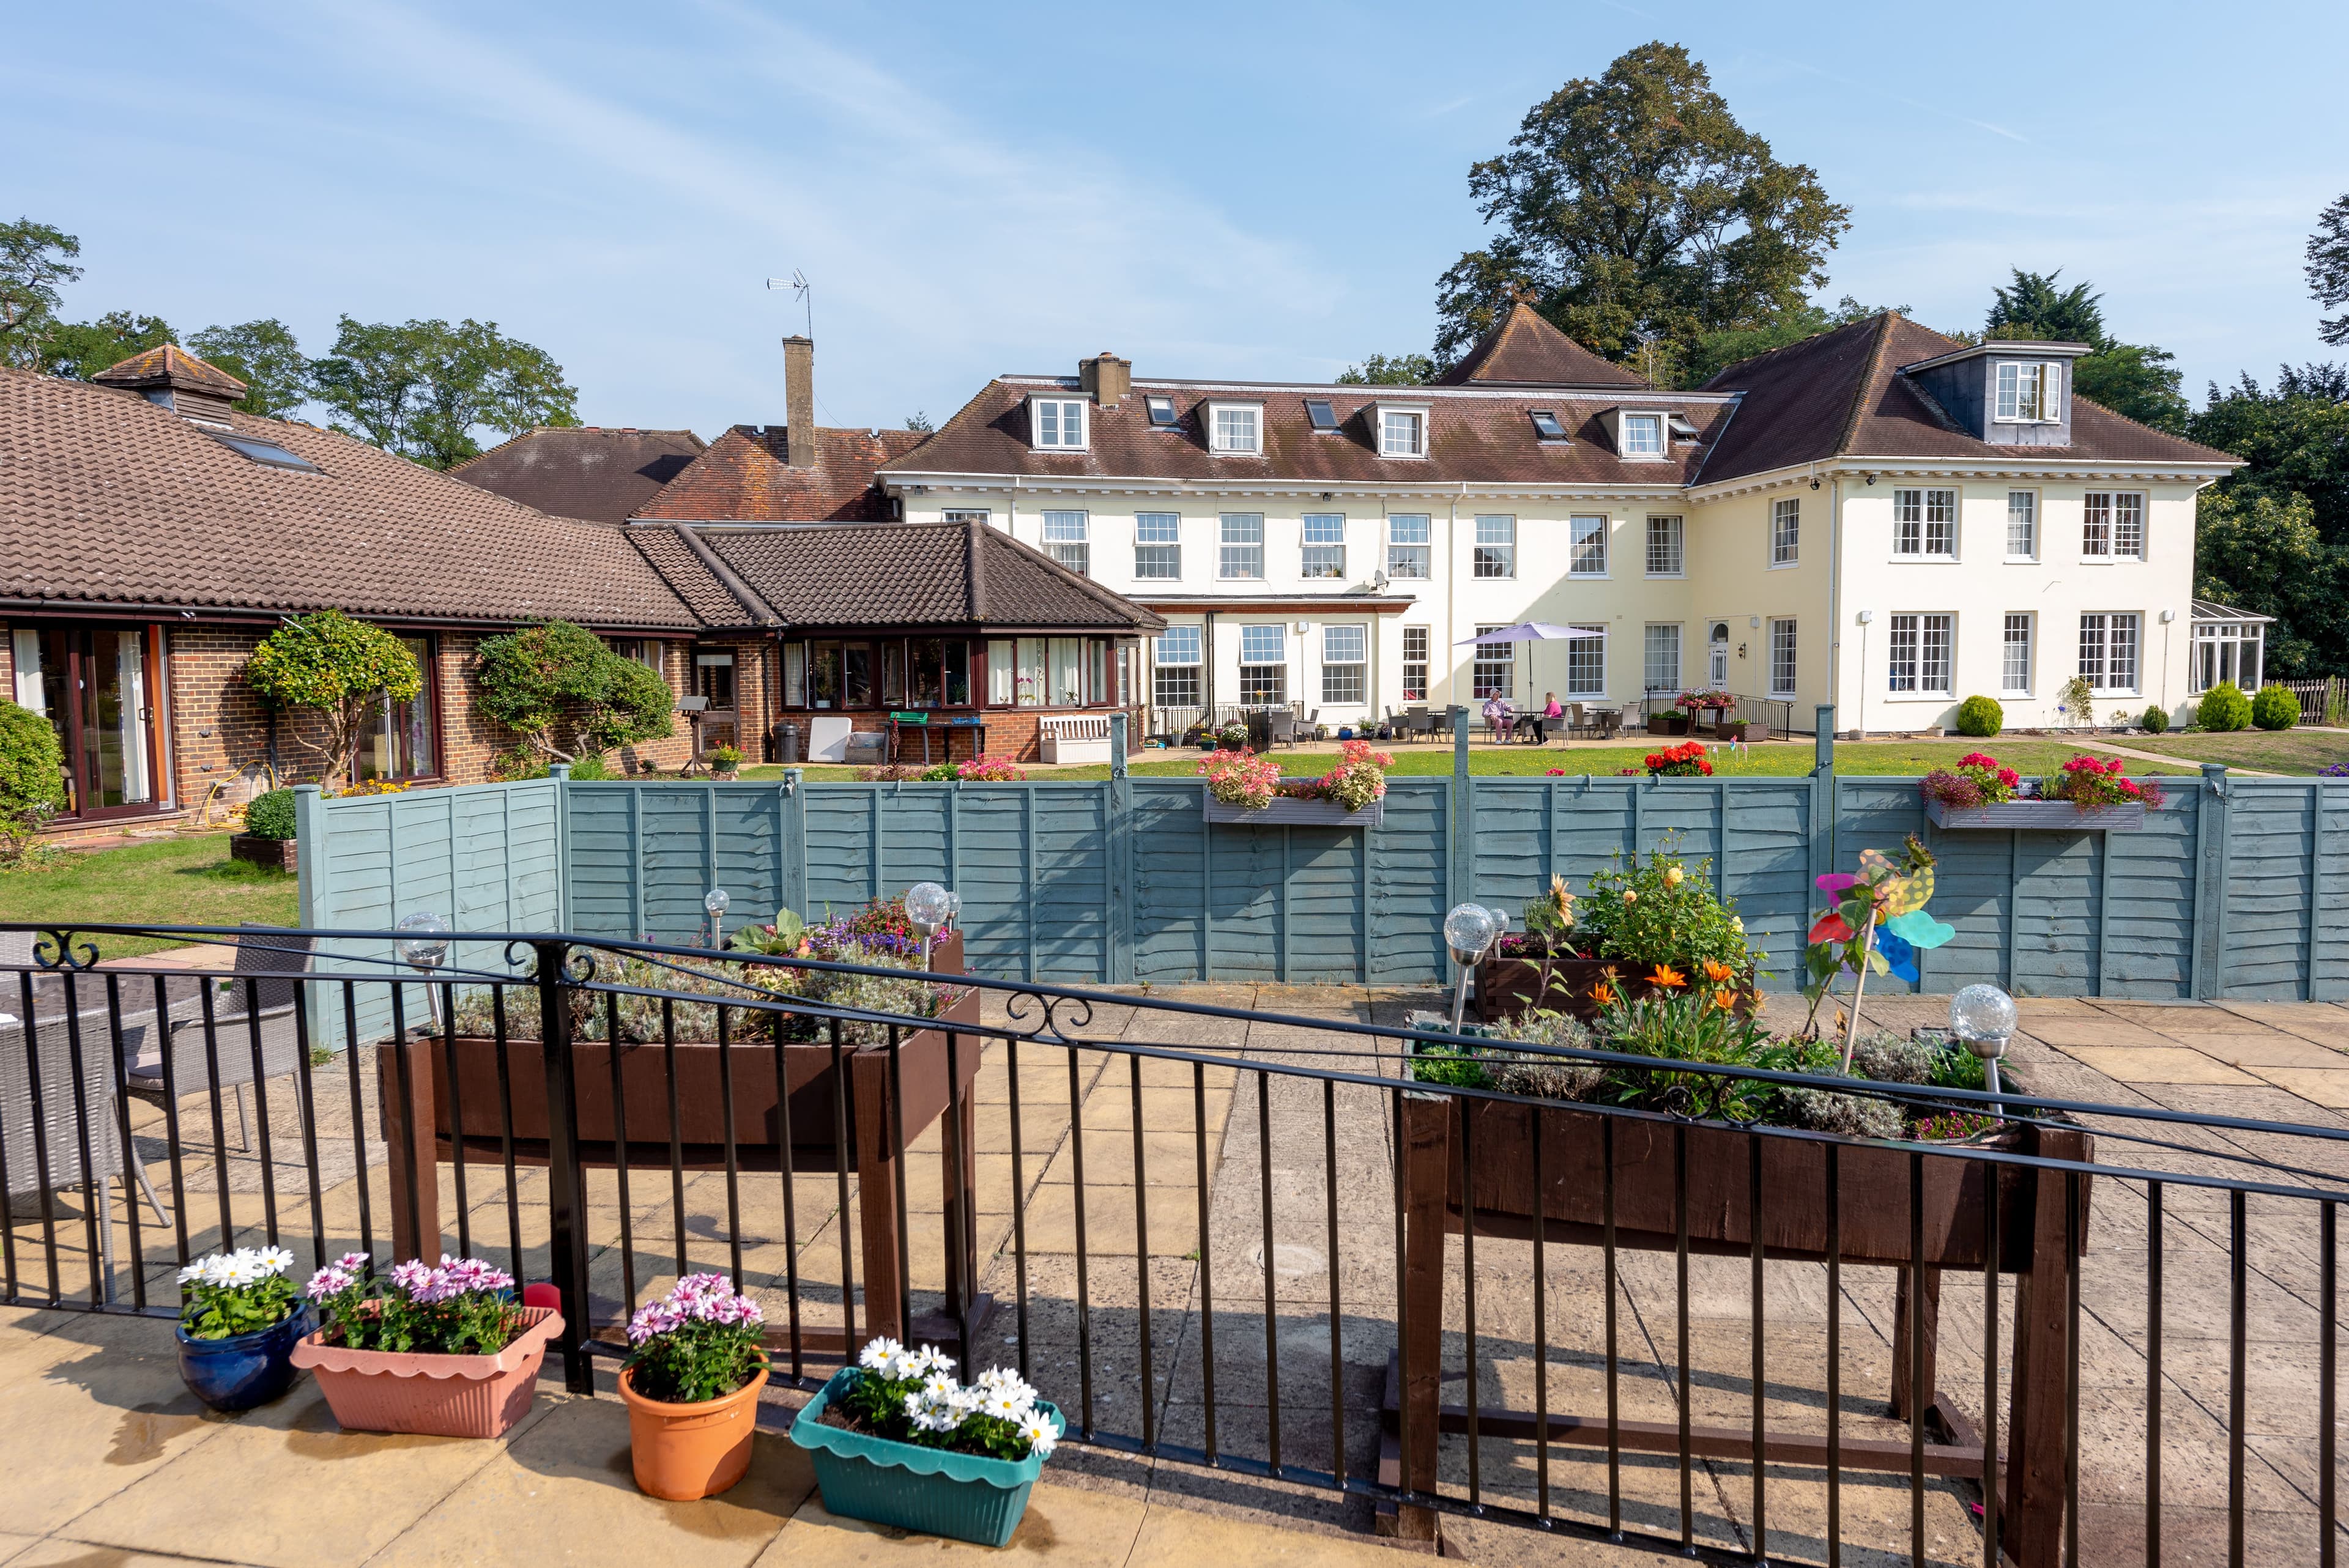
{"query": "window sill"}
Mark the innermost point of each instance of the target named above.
(1917, 696)
(1784, 566)
(1923, 560)
(1593, 576)
(2022, 560)
(1667, 576)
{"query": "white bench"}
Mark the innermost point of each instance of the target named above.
(1078, 738)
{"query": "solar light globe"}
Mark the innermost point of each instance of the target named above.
(427, 946)
(715, 901)
(1983, 1016)
(1468, 930)
(928, 906)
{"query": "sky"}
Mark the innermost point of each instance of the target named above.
(1258, 191)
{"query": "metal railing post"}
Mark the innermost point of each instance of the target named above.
(566, 1258)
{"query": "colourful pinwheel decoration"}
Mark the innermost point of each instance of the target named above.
(1876, 925)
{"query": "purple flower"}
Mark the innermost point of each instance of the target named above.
(329, 1281)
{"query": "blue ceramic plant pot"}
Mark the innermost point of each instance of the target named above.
(244, 1369)
(967, 1497)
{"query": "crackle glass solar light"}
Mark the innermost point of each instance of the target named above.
(715, 901)
(928, 906)
(1468, 930)
(1984, 1017)
(424, 941)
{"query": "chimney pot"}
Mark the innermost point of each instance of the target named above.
(1107, 377)
(799, 401)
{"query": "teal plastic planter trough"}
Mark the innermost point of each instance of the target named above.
(963, 1496)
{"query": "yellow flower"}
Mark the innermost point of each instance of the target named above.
(1670, 978)
(1674, 876)
(1630, 896)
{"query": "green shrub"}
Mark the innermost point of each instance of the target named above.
(1980, 716)
(341, 668)
(590, 765)
(2275, 709)
(32, 777)
(2223, 706)
(271, 815)
(2157, 718)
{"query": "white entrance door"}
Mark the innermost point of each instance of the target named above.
(1716, 661)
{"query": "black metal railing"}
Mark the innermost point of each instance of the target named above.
(548, 1077)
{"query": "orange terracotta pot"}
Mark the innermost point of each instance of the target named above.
(685, 1452)
(437, 1396)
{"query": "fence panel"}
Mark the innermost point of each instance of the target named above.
(2273, 827)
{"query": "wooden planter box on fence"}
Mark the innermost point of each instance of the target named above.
(1287, 810)
(2054, 816)
(1509, 988)
(424, 1118)
(1460, 1153)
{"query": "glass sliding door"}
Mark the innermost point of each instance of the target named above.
(98, 688)
(401, 746)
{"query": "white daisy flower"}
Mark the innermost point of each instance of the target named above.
(1039, 1435)
(879, 1353)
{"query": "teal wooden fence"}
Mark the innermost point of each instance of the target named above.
(2230, 892)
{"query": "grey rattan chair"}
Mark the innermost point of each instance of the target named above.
(45, 1152)
(277, 955)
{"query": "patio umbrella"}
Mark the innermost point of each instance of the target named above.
(1531, 632)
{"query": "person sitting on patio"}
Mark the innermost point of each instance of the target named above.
(1551, 714)
(1499, 716)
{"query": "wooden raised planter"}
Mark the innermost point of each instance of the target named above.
(1466, 1156)
(278, 854)
(1507, 988)
(451, 1093)
(1659, 724)
(1287, 810)
(2051, 816)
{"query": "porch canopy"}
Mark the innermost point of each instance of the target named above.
(1531, 632)
(2229, 645)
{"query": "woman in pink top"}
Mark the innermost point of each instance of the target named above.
(1551, 713)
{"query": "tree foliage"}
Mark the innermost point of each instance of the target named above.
(32, 777)
(2136, 380)
(34, 258)
(555, 673)
(264, 356)
(1389, 370)
(80, 349)
(1635, 202)
(340, 668)
(422, 388)
(2328, 268)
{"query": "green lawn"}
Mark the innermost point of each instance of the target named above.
(171, 882)
(1778, 760)
(2300, 751)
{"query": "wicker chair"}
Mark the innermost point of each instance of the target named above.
(47, 1155)
(275, 952)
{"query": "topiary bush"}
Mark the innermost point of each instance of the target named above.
(271, 815)
(2156, 718)
(32, 777)
(1980, 716)
(2275, 709)
(2223, 706)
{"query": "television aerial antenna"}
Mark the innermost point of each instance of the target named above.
(802, 291)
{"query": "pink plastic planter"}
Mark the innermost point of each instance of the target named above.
(433, 1396)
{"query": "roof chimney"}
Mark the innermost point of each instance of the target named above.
(170, 376)
(1107, 377)
(799, 400)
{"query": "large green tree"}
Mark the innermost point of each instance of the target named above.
(1635, 202)
(2328, 268)
(2135, 379)
(34, 258)
(264, 356)
(1717, 351)
(80, 349)
(422, 388)
(2294, 439)
(2273, 536)
(1389, 370)
(556, 674)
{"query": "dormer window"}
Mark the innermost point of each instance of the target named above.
(1684, 429)
(1403, 430)
(1162, 411)
(1643, 436)
(1235, 429)
(1058, 424)
(1546, 425)
(1320, 415)
(2029, 394)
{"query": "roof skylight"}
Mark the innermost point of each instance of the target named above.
(1162, 411)
(1546, 424)
(263, 451)
(1324, 418)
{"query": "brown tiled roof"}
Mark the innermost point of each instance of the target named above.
(584, 470)
(106, 498)
(1841, 394)
(1476, 434)
(1526, 350)
(169, 364)
(745, 476)
(896, 574)
(687, 572)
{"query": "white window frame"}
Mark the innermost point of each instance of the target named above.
(978, 514)
(1184, 659)
(2107, 519)
(1322, 566)
(1226, 545)
(1223, 438)
(1918, 530)
(1661, 452)
(1910, 666)
(1278, 633)
(1493, 667)
(1670, 544)
(2018, 650)
(2101, 626)
(1650, 667)
(1417, 417)
(1585, 544)
(2030, 522)
(1072, 545)
(1586, 676)
(1416, 643)
(1421, 551)
(2042, 380)
(1496, 546)
(1147, 569)
(1338, 661)
(2226, 651)
(1056, 423)
(1785, 531)
(1785, 661)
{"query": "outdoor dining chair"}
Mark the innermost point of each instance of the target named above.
(42, 1150)
(277, 956)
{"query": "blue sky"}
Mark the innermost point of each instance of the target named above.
(1262, 191)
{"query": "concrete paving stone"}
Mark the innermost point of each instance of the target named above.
(283, 1486)
(1163, 1110)
(2159, 1065)
(63, 1552)
(12, 1545)
(1075, 1526)
(1182, 1538)
(1112, 1224)
(1039, 1135)
(2270, 1048)
(1169, 1159)
(2197, 1535)
(564, 1491)
(2327, 1087)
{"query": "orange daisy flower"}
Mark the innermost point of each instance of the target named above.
(1603, 994)
(1670, 978)
(1725, 999)
(1717, 972)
